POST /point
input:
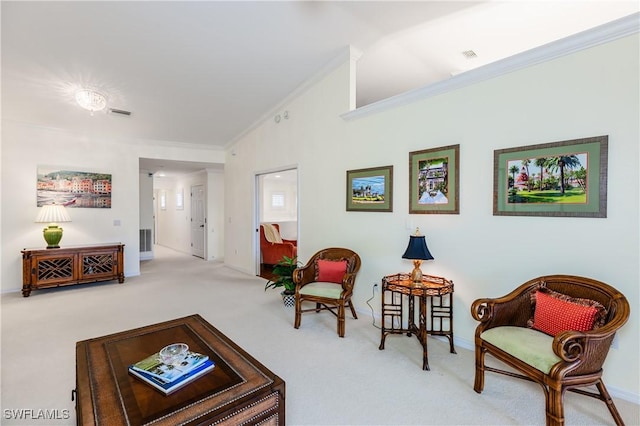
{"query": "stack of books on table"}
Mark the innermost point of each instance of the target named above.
(169, 378)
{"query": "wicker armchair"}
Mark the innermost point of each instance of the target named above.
(574, 358)
(327, 292)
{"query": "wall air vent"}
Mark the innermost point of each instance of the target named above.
(119, 112)
(146, 244)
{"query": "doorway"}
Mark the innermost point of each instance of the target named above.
(277, 203)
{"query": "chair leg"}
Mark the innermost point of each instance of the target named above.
(353, 311)
(296, 323)
(478, 386)
(341, 319)
(610, 405)
(554, 406)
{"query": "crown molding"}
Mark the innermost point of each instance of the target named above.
(596, 36)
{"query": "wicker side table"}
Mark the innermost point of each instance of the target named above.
(434, 296)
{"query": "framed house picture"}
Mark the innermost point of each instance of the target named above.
(434, 180)
(566, 179)
(370, 190)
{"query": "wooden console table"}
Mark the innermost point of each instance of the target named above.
(434, 294)
(238, 391)
(43, 268)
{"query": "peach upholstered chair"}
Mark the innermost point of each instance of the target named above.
(273, 251)
(327, 280)
(554, 330)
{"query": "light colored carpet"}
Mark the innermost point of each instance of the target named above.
(329, 381)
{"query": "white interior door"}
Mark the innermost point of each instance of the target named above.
(198, 221)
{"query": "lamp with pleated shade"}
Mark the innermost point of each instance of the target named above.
(417, 251)
(53, 214)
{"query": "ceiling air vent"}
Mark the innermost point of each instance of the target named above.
(469, 54)
(119, 112)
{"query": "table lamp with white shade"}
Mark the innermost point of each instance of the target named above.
(53, 214)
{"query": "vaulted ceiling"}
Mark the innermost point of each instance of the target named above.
(204, 72)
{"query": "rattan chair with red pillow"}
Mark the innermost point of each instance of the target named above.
(327, 280)
(554, 330)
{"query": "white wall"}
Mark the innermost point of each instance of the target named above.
(25, 147)
(215, 213)
(589, 93)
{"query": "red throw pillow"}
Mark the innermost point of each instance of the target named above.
(331, 271)
(553, 315)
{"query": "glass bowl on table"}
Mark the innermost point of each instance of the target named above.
(174, 354)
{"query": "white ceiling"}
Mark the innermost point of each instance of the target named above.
(205, 72)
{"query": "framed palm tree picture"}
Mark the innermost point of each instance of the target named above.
(566, 178)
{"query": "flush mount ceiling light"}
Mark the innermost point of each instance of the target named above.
(91, 100)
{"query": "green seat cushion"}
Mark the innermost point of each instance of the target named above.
(526, 344)
(322, 289)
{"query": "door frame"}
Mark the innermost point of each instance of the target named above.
(258, 206)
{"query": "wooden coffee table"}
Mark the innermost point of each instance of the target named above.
(239, 390)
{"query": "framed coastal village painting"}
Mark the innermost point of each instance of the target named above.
(370, 190)
(73, 188)
(566, 179)
(434, 180)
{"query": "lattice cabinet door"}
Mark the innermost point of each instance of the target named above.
(98, 264)
(54, 269)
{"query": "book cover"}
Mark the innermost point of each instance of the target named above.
(169, 387)
(153, 366)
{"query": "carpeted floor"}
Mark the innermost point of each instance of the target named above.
(329, 381)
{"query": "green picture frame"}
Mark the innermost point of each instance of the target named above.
(563, 179)
(370, 190)
(434, 180)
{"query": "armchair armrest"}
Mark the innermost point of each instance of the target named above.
(304, 275)
(570, 345)
(292, 242)
(348, 281)
(580, 352)
(273, 253)
(590, 348)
